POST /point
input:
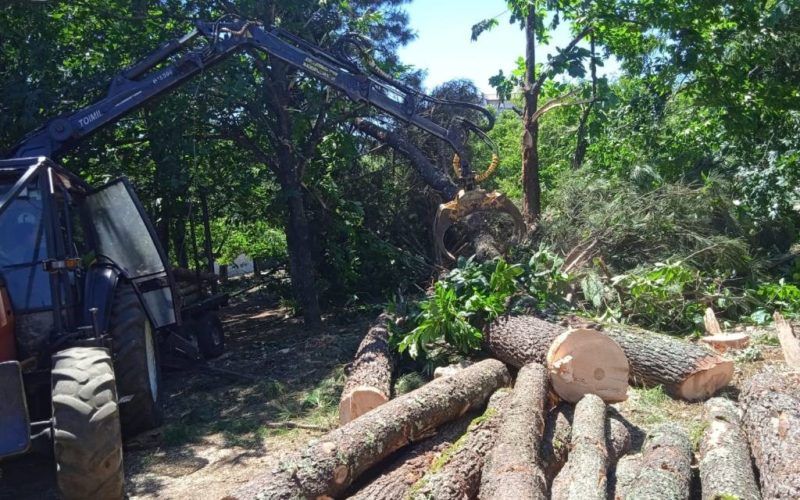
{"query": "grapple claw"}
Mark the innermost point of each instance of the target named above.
(468, 202)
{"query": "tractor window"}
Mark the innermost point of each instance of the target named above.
(23, 247)
(122, 234)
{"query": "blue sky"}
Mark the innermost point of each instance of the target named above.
(443, 47)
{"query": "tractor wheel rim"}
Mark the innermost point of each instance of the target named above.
(150, 352)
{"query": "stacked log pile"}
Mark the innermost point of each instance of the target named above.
(465, 435)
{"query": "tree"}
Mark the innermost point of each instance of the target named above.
(530, 15)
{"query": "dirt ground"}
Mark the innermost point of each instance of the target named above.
(223, 423)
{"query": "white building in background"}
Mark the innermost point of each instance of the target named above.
(240, 266)
(494, 101)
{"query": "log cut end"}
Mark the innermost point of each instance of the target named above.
(359, 401)
(585, 361)
(712, 374)
(725, 341)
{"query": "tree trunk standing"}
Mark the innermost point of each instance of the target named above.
(301, 265)
(725, 466)
(208, 247)
(771, 405)
(583, 125)
(513, 468)
(531, 203)
(329, 465)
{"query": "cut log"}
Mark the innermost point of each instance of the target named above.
(456, 472)
(685, 370)
(513, 468)
(558, 432)
(396, 480)
(627, 471)
(663, 471)
(572, 377)
(726, 341)
(789, 342)
(726, 470)
(711, 323)
(584, 476)
(519, 340)
(771, 407)
(555, 441)
(329, 465)
(369, 384)
(446, 371)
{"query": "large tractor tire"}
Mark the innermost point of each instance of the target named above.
(135, 363)
(87, 442)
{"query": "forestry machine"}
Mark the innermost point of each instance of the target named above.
(87, 295)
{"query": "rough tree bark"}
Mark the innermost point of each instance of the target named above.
(329, 465)
(685, 370)
(663, 471)
(726, 470)
(771, 405)
(532, 190)
(558, 432)
(584, 476)
(602, 369)
(369, 384)
(395, 482)
(513, 468)
(627, 471)
(456, 473)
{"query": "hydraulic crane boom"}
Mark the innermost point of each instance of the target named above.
(141, 83)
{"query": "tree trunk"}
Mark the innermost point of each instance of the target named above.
(456, 473)
(558, 432)
(584, 476)
(571, 356)
(329, 465)
(771, 405)
(664, 470)
(685, 370)
(627, 471)
(531, 203)
(725, 466)
(370, 382)
(582, 142)
(513, 468)
(301, 265)
(395, 482)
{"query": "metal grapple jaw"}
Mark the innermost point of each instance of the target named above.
(470, 202)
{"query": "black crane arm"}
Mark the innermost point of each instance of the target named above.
(140, 83)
